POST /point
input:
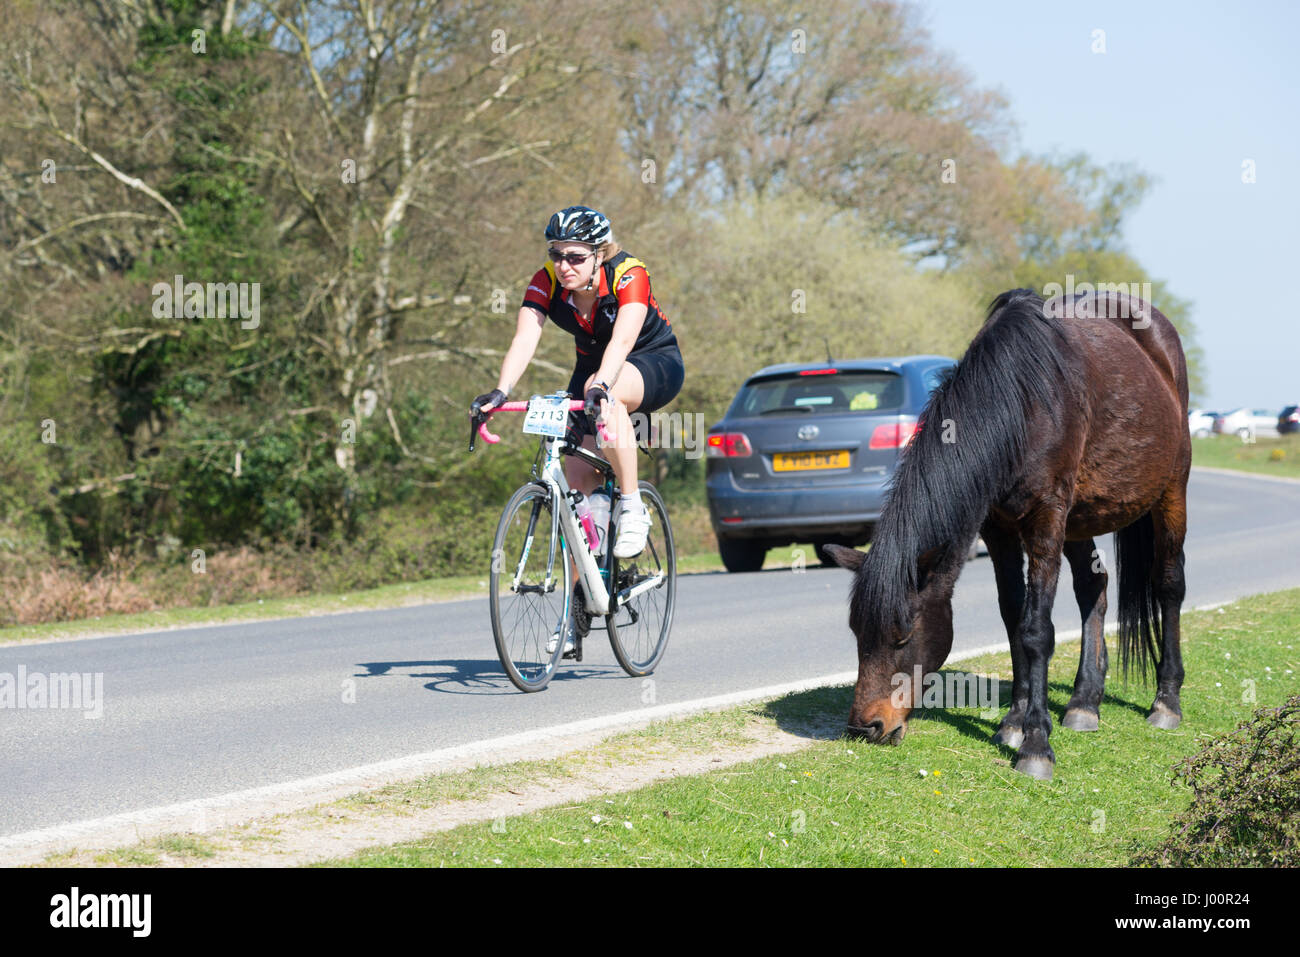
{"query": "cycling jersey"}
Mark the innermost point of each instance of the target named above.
(623, 280)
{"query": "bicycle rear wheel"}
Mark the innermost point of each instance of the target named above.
(530, 588)
(646, 587)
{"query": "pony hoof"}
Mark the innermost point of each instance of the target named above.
(1077, 719)
(1011, 737)
(1163, 718)
(1038, 768)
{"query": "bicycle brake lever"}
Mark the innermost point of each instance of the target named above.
(478, 427)
(598, 426)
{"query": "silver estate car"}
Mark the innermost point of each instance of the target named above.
(805, 452)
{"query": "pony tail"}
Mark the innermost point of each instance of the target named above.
(1140, 623)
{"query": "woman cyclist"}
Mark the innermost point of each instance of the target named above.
(627, 359)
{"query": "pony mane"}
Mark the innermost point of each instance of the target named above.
(965, 455)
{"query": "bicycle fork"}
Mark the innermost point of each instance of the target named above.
(548, 584)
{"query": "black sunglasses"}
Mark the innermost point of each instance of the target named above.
(573, 259)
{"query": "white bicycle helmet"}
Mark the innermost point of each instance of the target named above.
(579, 224)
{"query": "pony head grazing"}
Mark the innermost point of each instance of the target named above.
(966, 452)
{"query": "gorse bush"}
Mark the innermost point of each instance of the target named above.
(1245, 808)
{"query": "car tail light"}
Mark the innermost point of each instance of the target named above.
(728, 445)
(819, 372)
(895, 435)
(1294, 417)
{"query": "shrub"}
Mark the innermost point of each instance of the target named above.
(1245, 808)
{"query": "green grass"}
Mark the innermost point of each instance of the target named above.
(150, 853)
(698, 733)
(846, 803)
(1268, 456)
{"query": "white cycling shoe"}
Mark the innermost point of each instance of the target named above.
(555, 640)
(633, 527)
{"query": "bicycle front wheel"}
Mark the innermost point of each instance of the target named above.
(646, 591)
(530, 588)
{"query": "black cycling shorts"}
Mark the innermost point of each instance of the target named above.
(661, 370)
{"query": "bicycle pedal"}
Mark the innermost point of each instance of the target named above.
(576, 653)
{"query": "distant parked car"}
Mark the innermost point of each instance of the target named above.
(1289, 420)
(805, 451)
(1200, 422)
(1246, 424)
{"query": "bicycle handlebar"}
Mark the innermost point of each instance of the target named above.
(575, 405)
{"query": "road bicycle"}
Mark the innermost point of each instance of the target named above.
(539, 541)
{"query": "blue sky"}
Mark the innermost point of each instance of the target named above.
(1187, 91)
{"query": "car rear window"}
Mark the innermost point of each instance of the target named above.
(792, 394)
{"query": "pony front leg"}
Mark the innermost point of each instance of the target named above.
(1038, 638)
(1009, 570)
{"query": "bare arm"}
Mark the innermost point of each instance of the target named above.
(528, 332)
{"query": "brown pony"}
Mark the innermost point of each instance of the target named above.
(1063, 421)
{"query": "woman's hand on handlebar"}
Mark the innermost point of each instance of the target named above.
(594, 402)
(486, 402)
(479, 411)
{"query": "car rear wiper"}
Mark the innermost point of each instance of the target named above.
(787, 408)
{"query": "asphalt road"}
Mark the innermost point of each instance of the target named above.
(208, 711)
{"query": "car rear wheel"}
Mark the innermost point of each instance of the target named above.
(742, 554)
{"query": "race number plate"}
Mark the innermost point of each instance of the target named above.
(547, 415)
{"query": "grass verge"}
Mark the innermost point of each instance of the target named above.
(811, 798)
(1279, 457)
(945, 797)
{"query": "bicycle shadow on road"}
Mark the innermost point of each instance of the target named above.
(483, 676)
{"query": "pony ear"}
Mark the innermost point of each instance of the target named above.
(849, 558)
(926, 563)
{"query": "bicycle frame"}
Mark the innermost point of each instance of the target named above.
(552, 476)
(599, 601)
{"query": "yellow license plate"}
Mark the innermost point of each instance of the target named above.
(803, 461)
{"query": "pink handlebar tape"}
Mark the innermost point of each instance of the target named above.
(575, 405)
